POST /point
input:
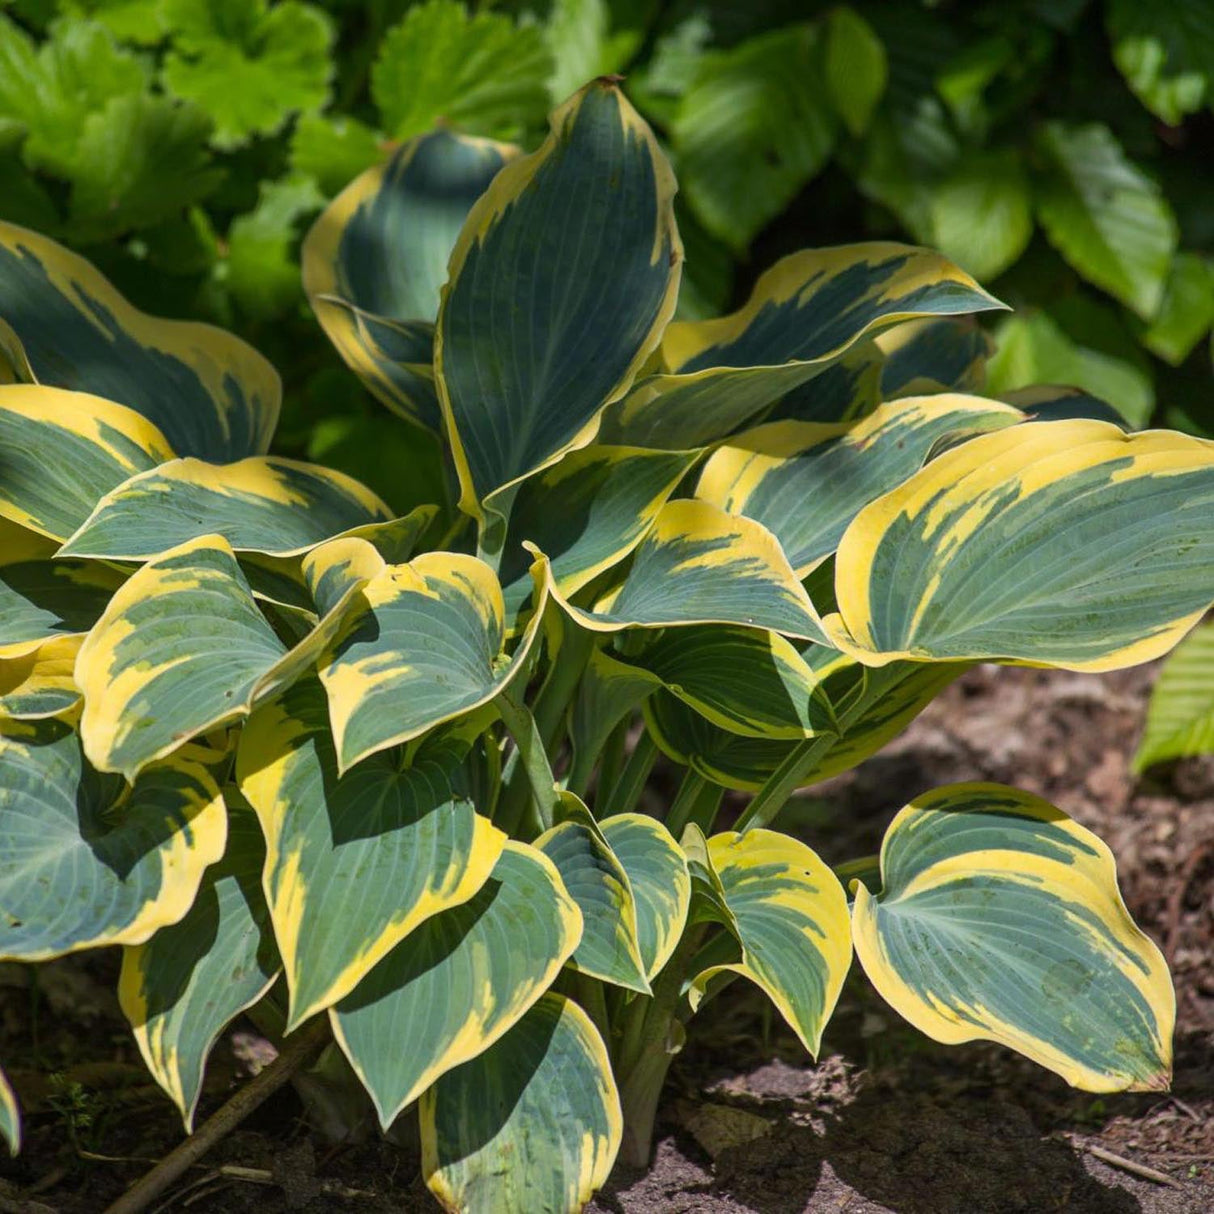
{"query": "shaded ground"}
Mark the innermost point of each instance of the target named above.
(887, 1122)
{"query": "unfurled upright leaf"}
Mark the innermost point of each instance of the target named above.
(209, 394)
(86, 861)
(562, 282)
(279, 53)
(10, 1116)
(477, 71)
(1105, 215)
(1180, 716)
(751, 130)
(1066, 543)
(354, 863)
(533, 1123)
(181, 988)
(1187, 310)
(375, 261)
(988, 894)
(459, 980)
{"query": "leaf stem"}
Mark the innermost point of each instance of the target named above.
(533, 768)
(626, 791)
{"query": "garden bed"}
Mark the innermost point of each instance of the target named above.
(887, 1121)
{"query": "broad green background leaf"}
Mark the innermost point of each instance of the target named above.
(585, 514)
(1064, 543)
(981, 213)
(265, 504)
(856, 68)
(1105, 215)
(138, 21)
(533, 1123)
(142, 159)
(61, 451)
(478, 71)
(562, 281)
(1180, 716)
(458, 981)
(805, 482)
(354, 863)
(248, 64)
(76, 874)
(804, 314)
(1187, 311)
(661, 885)
(596, 880)
(579, 38)
(209, 394)
(791, 919)
(1033, 348)
(52, 89)
(375, 261)
(49, 600)
(989, 892)
(181, 988)
(262, 267)
(181, 648)
(41, 683)
(1165, 50)
(743, 679)
(752, 129)
(422, 646)
(332, 150)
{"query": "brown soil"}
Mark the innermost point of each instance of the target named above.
(887, 1121)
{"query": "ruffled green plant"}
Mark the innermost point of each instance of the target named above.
(253, 725)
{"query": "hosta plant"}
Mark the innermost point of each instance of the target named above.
(254, 726)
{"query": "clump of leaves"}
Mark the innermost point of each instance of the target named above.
(256, 725)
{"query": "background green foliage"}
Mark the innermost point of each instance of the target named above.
(1058, 149)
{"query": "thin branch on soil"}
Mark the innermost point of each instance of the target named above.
(1176, 901)
(331, 1188)
(297, 1050)
(1128, 1165)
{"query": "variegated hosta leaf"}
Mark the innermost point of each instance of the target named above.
(1046, 403)
(791, 919)
(699, 565)
(40, 683)
(208, 393)
(742, 679)
(585, 514)
(661, 885)
(732, 760)
(46, 600)
(533, 1123)
(458, 981)
(376, 259)
(19, 544)
(10, 1116)
(598, 883)
(930, 355)
(1000, 920)
(562, 281)
(805, 482)
(354, 863)
(61, 452)
(181, 988)
(86, 861)
(423, 644)
(607, 693)
(804, 313)
(1180, 716)
(181, 648)
(1064, 543)
(847, 389)
(264, 504)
